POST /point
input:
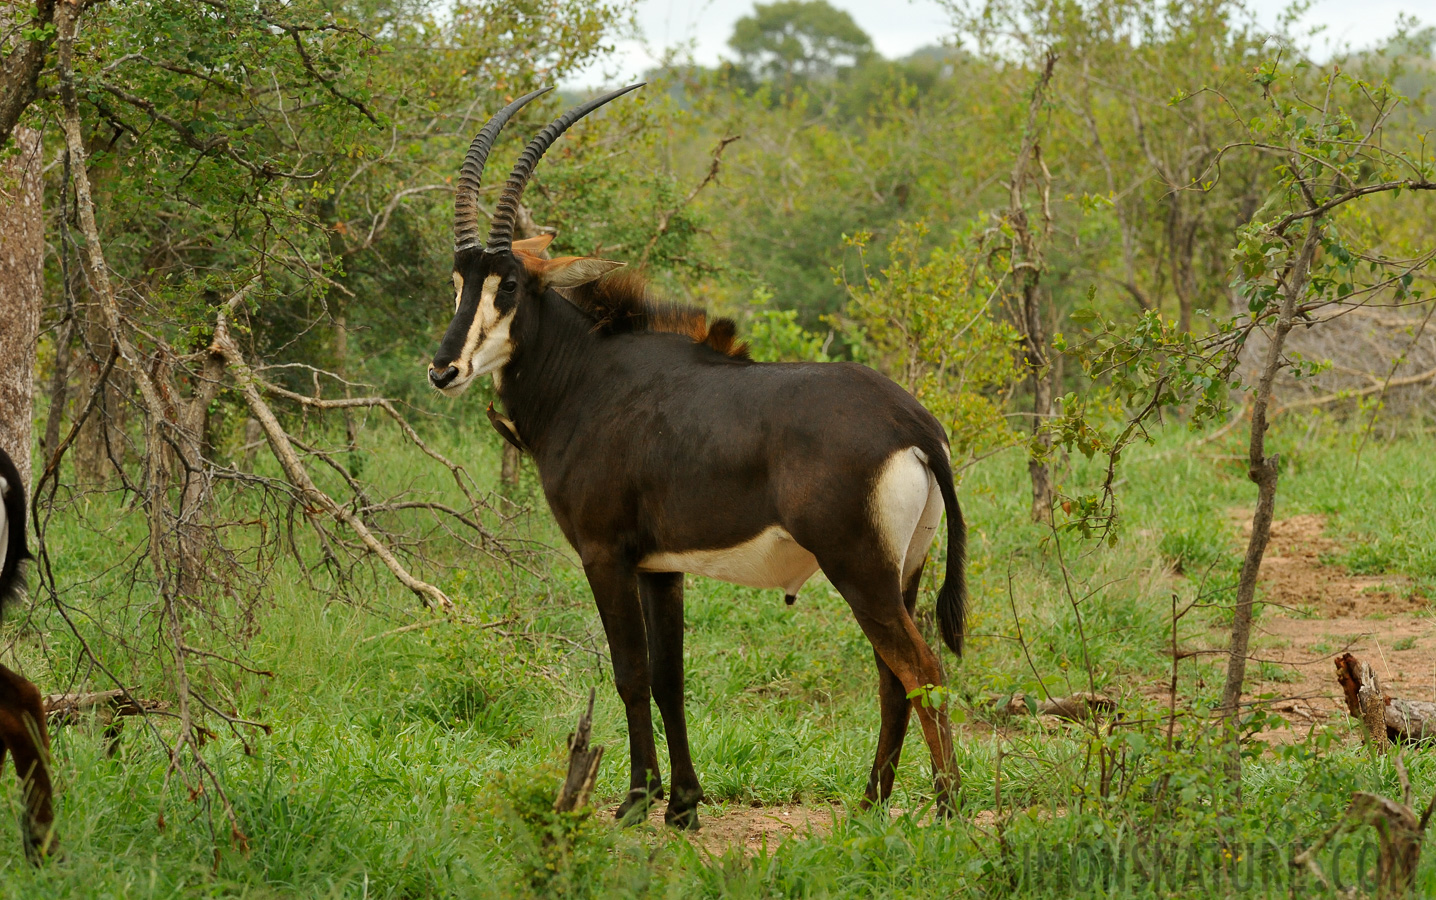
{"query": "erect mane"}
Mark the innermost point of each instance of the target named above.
(621, 303)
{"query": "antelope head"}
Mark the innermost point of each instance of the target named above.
(495, 280)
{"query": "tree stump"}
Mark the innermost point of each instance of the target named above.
(582, 765)
(1385, 718)
(1398, 832)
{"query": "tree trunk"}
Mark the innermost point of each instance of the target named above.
(22, 270)
(1026, 269)
(59, 388)
(1039, 465)
(1263, 471)
(509, 472)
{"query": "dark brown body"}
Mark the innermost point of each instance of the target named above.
(653, 443)
(22, 710)
(663, 449)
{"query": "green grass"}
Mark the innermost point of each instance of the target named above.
(422, 764)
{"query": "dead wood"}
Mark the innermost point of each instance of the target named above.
(1079, 707)
(106, 708)
(282, 445)
(583, 764)
(1399, 832)
(1395, 718)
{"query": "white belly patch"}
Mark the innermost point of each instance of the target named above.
(770, 560)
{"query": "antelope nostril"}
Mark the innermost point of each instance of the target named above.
(440, 378)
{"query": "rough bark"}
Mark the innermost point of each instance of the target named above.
(1371, 700)
(22, 271)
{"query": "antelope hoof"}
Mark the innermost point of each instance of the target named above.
(634, 809)
(682, 810)
(946, 805)
(43, 850)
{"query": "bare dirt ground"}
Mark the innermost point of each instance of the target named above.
(753, 828)
(1316, 611)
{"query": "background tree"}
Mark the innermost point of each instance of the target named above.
(791, 42)
(22, 268)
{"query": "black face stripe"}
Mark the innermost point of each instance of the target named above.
(475, 268)
(451, 347)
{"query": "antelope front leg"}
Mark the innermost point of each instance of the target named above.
(662, 596)
(615, 590)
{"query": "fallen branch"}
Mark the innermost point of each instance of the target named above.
(1391, 718)
(107, 708)
(65, 709)
(294, 470)
(1079, 707)
(1381, 388)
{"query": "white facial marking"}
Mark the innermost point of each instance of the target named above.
(487, 346)
(906, 507)
(770, 560)
(458, 291)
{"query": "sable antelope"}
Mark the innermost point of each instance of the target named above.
(664, 449)
(22, 712)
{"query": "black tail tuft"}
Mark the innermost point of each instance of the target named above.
(12, 526)
(952, 598)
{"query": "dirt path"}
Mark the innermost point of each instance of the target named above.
(1316, 611)
(753, 828)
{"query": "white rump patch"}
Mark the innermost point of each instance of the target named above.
(906, 506)
(770, 560)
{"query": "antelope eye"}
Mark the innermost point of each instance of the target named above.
(509, 286)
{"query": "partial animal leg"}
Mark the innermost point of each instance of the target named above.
(615, 589)
(896, 710)
(662, 595)
(22, 730)
(877, 602)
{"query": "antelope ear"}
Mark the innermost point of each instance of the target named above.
(535, 245)
(572, 271)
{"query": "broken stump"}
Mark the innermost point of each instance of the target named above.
(1390, 718)
(582, 765)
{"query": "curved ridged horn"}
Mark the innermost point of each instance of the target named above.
(466, 195)
(501, 231)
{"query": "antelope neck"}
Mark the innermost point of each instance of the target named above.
(554, 360)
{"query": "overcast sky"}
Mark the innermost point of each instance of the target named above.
(899, 27)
